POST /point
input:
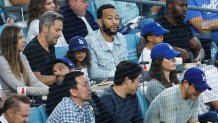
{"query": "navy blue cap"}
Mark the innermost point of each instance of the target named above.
(66, 61)
(163, 50)
(153, 28)
(196, 77)
(77, 43)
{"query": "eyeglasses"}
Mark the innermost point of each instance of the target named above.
(197, 91)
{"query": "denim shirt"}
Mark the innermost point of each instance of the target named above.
(104, 60)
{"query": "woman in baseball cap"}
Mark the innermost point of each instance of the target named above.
(162, 73)
(79, 54)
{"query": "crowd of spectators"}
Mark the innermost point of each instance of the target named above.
(97, 51)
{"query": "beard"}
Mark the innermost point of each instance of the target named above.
(108, 30)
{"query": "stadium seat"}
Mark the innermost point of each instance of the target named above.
(35, 116)
(61, 51)
(143, 102)
(43, 113)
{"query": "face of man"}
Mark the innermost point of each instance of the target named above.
(20, 115)
(21, 41)
(109, 22)
(79, 7)
(179, 9)
(191, 92)
(60, 70)
(54, 32)
(133, 85)
(83, 89)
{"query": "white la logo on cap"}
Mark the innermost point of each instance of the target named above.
(81, 41)
(203, 77)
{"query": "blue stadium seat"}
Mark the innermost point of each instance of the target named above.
(93, 9)
(143, 102)
(35, 116)
(61, 51)
(43, 113)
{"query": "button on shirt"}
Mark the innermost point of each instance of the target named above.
(67, 111)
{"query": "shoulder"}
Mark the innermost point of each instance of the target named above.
(93, 36)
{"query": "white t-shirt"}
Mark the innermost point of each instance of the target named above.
(110, 45)
(2, 119)
(33, 31)
(89, 28)
(145, 56)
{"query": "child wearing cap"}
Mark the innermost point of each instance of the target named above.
(162, 73)
(179, 104)
(79, 54)
(152, 34)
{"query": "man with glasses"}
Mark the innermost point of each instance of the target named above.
(74, 108)
(179, 104)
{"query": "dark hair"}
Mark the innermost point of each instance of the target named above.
(70, 82)
(85, 62)
(156, 72)
(13, 102)
(146, 36)
(216, 63)
(126, 69)
(36, 9)
(103, 7)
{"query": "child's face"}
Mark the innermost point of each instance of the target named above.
(80, 55)
(155, 39)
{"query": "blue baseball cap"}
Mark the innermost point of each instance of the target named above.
(154, 28)
(196, 77)
(163, 50)
(77, 43)
(65, 61)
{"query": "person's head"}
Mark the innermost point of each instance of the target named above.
(177, 8)
(11, 43)
(78, 51)
(17, 109)
(61, 67)
(51, 26)
(128, 74)
(163, 61)
(108, 19)
(77, 86)
(38, 7)
(79, 7)
(194, 83)
(153, 32)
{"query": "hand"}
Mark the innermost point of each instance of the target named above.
(9, 21)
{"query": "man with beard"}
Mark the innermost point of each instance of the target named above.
(40, 51)
(180, 35)
(179, 104)
(107, 46)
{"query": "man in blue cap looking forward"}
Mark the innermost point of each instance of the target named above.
(179, 104)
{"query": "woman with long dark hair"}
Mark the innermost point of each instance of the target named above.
(15, 70)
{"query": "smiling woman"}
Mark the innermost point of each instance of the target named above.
(15, 70)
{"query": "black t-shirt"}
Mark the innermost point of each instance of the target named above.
(179, 35)
(39, 59)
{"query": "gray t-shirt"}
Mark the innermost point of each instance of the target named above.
(154, 88)
(170, 107)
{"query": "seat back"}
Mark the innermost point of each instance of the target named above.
(35, 116)
(61, 51)
(43, 113)
(143, 102)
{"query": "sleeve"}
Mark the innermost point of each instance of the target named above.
(194, 116)
(29, 52)
(7, 76)
(94, 70)
(153, 90)
(167, 111)
(35, 87)
(124, 47)
(191, 13)
(33, 30)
